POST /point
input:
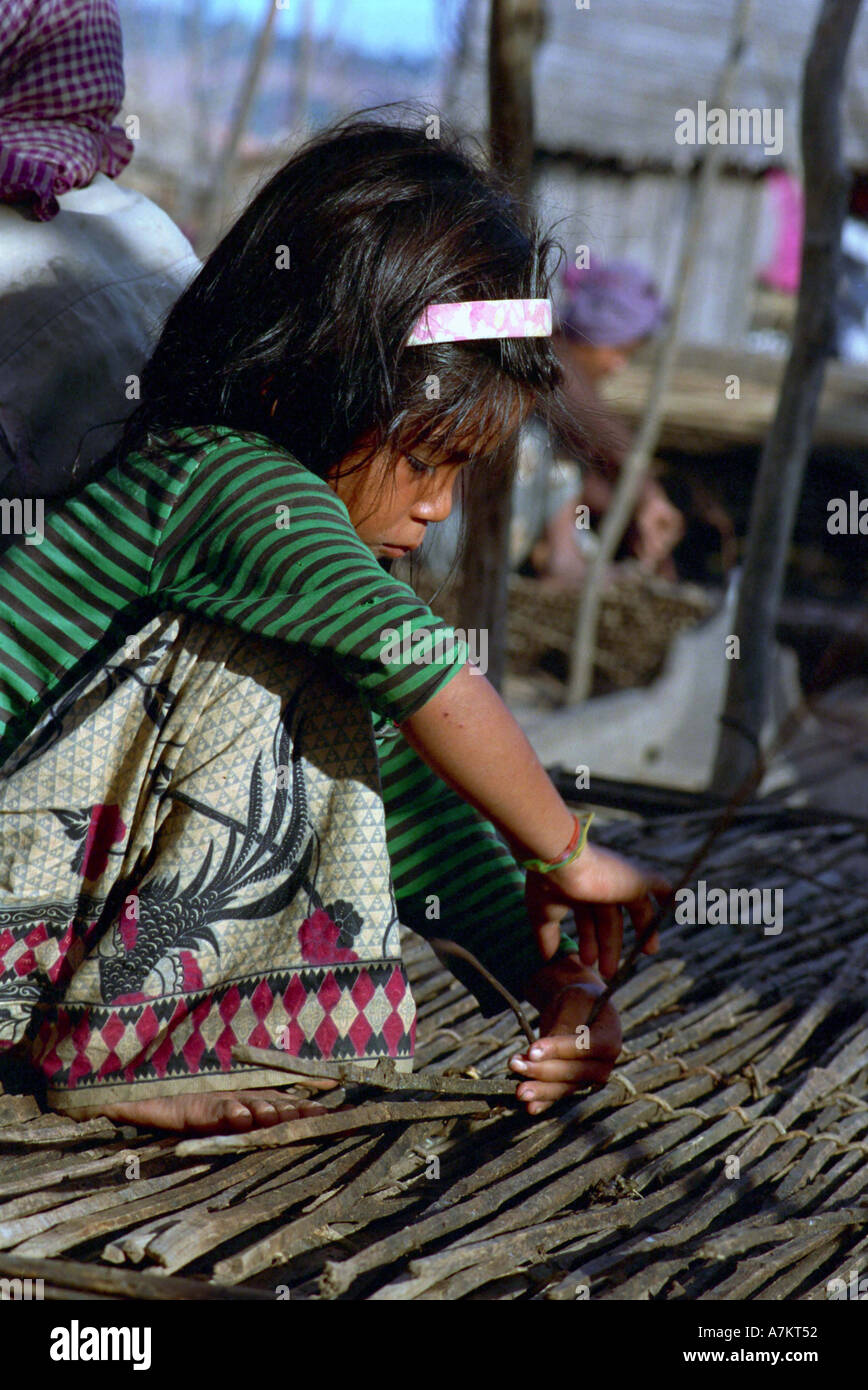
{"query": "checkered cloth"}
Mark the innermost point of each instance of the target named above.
(61, 85)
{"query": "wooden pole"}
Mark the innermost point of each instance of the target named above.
(779, 481)
(515, 27)
(303, 71)
(635, 467)
(202, 157)
(225, 163)
(455, 55)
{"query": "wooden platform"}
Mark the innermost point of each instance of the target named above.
(738, 1045)
(698, 415)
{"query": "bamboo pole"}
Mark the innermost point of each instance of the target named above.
(303, 71)
(515, 27)
(779, 482)
(636, 464)
(225, 163)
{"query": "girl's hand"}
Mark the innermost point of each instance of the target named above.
(559, 1062)
(595, 887)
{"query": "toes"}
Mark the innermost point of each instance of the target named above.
(234, 1113)
(267, 1108)
(263, 1111)
(213, 1113)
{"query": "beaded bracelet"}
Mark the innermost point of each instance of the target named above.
(547, 866)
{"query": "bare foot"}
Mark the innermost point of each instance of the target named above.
(207, 1112)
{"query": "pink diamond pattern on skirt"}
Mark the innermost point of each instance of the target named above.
(341, 1012)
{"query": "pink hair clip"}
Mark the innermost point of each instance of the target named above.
(482, 318)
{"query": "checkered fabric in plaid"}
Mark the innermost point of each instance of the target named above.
(61, 85)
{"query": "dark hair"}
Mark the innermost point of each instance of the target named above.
(376, 221)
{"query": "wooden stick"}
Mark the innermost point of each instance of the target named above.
(38, 1136)
(120, 1283)
(635, 467)
(452, 948)
(341, 1122)
(197, 1232)
(782, 466)
(382, 1076)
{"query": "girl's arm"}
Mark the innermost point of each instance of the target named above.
(454, 877)
(468, 736)
(470, 739)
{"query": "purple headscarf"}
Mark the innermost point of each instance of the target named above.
(61, 85)
(610, 305)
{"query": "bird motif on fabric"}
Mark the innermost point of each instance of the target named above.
(151, 943)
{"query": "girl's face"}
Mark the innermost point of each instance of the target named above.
(391, 504)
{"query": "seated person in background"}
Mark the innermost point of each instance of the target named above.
(88, 269)
(606, 314)
(540, 488)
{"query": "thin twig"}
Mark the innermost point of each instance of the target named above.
(451, 948)
(662, 917)
(338, 1122)
(382, 1076)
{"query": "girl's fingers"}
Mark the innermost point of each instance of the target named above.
(567, 1047)
(610, 935)
(548, 935)
(609, 881)
(545, 914)
(595, 1074)
(660, 886)
(642, 913)
(600, 928)
(587, 929)
(542, 1092)
(572, 1072)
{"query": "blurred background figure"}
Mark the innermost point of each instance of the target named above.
(607, 313)
(88, 269)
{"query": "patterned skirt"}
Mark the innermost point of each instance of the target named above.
(192, 856)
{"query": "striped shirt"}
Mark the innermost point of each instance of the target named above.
(231, 528)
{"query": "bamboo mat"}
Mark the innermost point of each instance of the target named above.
(738, 1045)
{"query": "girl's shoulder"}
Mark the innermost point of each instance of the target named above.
(236, 481)
(215, 434)
(182, 456)
(193, 445)
(195, 441)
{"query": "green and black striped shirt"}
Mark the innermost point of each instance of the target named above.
(231, 528)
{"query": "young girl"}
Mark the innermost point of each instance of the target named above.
(221, 792)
